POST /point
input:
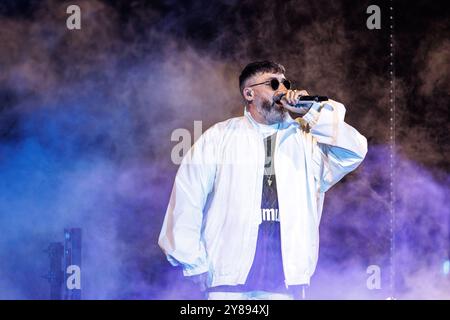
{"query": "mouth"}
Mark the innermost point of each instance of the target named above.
(278, 105)
(277, 102)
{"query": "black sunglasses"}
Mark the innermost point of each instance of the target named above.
(275, 83)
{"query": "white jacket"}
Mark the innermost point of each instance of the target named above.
(211, 223)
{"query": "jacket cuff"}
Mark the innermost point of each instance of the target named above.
(194, 270)
(312, 116)
(189, 269)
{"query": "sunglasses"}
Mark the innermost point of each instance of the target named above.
(275, 83)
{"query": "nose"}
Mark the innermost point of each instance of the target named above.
(282, 87)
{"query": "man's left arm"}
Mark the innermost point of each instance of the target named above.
(339, 148)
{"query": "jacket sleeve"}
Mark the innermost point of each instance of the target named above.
(180, 236)
(338, 148)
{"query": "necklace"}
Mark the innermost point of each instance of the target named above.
(269, 180)
(267, 172)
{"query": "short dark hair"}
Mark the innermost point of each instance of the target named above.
(256, 67)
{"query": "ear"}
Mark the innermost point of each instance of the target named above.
(248, 94)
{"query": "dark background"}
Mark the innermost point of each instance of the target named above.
(86, 118)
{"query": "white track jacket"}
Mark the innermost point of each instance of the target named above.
(211, 223)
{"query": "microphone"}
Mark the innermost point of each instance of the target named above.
(302, 101)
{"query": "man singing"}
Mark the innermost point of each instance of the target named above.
(244, 213)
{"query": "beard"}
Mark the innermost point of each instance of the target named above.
(271, 112)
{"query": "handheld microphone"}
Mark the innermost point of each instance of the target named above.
(302, 101)
(313, 98)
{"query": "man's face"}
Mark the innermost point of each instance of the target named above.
(263, 95)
